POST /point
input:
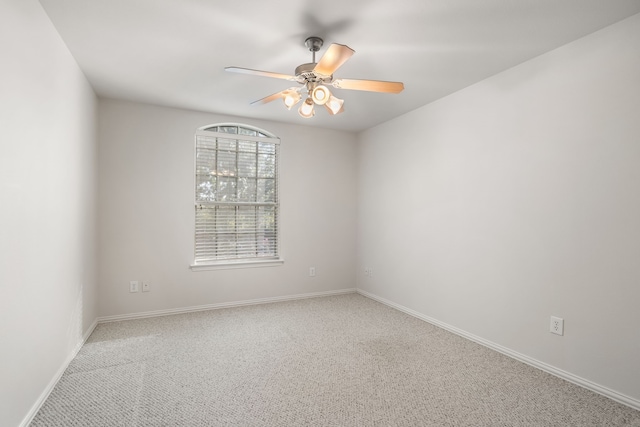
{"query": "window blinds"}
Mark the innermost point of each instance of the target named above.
(236, 195)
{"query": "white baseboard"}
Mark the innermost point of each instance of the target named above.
(47, 391)
(589, 385)
(205, 307)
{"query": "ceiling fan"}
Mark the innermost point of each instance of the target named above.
(314, 78)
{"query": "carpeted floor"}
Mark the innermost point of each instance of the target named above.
(335, 361)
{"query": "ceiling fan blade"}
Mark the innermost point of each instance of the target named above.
(369, 85)
(260, 73)
(333, 58)
(270, 98)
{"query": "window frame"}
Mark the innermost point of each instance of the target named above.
(233, 263)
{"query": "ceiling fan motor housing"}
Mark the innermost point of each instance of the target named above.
(306, 74)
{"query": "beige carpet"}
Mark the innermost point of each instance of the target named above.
(334, 361)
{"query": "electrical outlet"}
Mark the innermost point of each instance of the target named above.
(133, 286)
(556, 326)
(367, 271)
(146, 286)
(312, 271)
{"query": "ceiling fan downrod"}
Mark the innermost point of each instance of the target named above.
(314, 44)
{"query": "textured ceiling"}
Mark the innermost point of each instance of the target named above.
(173, 52)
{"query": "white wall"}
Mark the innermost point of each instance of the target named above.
(47, 207)
(146, 212)
(515, 199)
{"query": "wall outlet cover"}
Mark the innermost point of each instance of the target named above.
(133, 286)
(556, 326)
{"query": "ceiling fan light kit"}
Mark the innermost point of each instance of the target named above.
(314, 77)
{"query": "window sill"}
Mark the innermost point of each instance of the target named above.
(227, 265)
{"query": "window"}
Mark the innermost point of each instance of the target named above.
(236, 196)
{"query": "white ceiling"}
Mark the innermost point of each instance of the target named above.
(173, 52)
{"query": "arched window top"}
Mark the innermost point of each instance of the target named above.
(238, 129)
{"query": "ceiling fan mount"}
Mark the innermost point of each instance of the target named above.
(314, 44)
(315, 76)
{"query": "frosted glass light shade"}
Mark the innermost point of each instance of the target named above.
(334, 105)
(290, 99)
(320, 95)
(306, 109)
